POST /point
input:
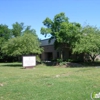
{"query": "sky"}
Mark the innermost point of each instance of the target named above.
(33, 12)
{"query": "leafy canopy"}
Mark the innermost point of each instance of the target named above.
(28, 43)
(5, 34)
(53, 26)
(64, 32)
(89, 42)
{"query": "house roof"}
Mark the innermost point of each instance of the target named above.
(46, 42)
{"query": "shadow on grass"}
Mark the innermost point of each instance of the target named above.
(10, 64)
(52, 64)
(74, 64)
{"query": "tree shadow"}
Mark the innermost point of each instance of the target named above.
(73, 64)
(11, 65)
(50, 64)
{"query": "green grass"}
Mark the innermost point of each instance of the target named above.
(48, 83)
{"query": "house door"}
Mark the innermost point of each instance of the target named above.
(49, 56)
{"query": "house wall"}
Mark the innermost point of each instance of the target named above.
(49, 49)
(50, 53)
(55, 54)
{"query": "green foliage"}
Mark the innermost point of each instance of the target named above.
(5, 34)
(20, 40)
(67, 36)
(53, 26)
(29, 30)
(59, 60)
(62, 63)
(70, 60)
(89, 42)
(22, 45)
(64, 32)
(38, 58)
(17, 29)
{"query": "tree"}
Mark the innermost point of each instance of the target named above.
(5, 34)
(89, 42)
(22, 41)
(69, 33)
(29, 30)
(53, 26)
(17, 29)
(26, 44)
(64, 32)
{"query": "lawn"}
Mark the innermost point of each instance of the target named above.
(48, 83)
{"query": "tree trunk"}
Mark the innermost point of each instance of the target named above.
(93, 57)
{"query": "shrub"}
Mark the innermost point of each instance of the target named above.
(59, 60)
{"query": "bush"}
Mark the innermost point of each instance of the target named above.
(62, 63)
(70, 60)
(59, 60)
